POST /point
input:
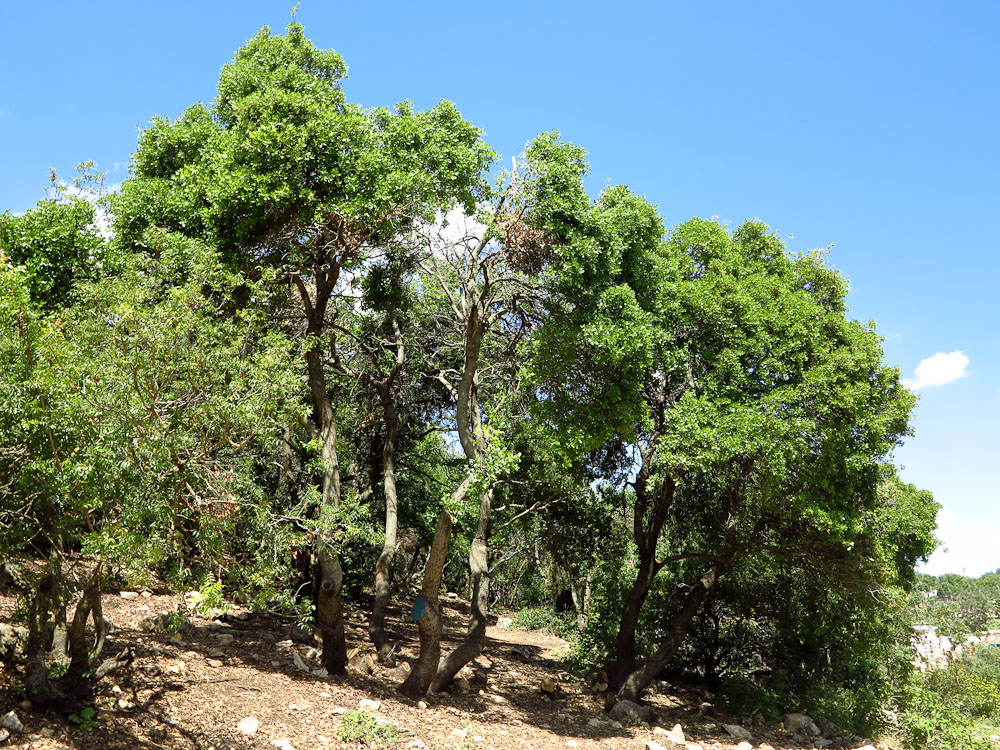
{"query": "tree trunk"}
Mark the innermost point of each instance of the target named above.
(40, 602)
(424, 669)
(639, 680)
(82, 657)
(376, 628)
(329, 608)
(647, 535)
(475, 639)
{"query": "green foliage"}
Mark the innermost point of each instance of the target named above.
(931, 721)
(86, 718)
(364, 728)
(538, 618)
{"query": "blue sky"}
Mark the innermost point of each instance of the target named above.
(872, 126)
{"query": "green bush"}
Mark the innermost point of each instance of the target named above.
(539, 618)
(363, 728)
(932, 721)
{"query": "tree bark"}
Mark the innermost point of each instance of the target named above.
(639, 680)
(82, 657)
(424, 669)
(472, 645)
(646, 537)
(376, 627)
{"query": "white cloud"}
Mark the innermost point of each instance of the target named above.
(939, 369)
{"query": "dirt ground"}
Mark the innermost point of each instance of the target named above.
(193, 693)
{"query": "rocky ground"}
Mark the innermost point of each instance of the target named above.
(244, 680)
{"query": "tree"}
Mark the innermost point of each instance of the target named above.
(285, 177)
(761, 414)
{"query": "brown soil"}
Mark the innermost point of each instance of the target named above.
(172, 698)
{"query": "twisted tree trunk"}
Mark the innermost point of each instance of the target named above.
(424, 669)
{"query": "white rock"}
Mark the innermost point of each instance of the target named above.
(248, 725)
(128, 594)
(283, 743)
(460, 733)
(737, 732)
(676, 735)
(692, 746)
(214, 663)
(650, 745)
(10, 721)
(867, 747)
(416, 744)
(321, 672)
(325, 694)
(4, 735)
(572, 743)
(115, 690)
(504, 622)
(452, 595)
(366, 704)
(421, 705)
(744, 746)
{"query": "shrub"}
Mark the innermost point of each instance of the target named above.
(363, 728)
(539, 618)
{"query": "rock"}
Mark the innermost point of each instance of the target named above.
(650, 745)
(248, 725)
(822, 742)
(4, 735)
(800, 724)
(311, 653)
(11, 641)
(284, 743)
(216, 653)
(630, 714)
(214, 663)
(617, 725)
(400, 673)
(282, 645)
(421, 705)
(146, 594)
(596, 723)
(572, 743)
(10, 721)
(299, 664)
(692, 746)
(146, 624)
(47, 732)
(737, 732)
(867, 747)
(321, 672)
(676, 735)
(225, 639)
(363, 663)
(416, 744)
(504, 622)
(462, 685)
(460, 733)
(744, 746)
(452, 595)
(128, 594)
(600, 687)
(366, 704)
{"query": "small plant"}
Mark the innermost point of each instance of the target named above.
(210, 596)
(362, 727)
(87, 718)
(538, 618)
(176, 621)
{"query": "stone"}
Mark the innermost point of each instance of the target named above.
(321, 672)
(462, 685)
(867, 747)
(650, 745)
(737, 732)
(692, 746)
(676, 735)
(572, 743)
(421, 705)
(10, 721)
(284, 644)
(617, 725)
(4, 735)
(284, 743)
(366, 704)
(744, 746)
(504, 622)
(147, 624)
(596, 723)
(216, 653)
(299, 664)
(225, 639)
(460, 733)
(248, 725)
(800, 724)
(47, 732)
(452, 595)
(214, 663)
(146, 594)
(400, 673)
(417, 744)
(128, 594)
(630, 714)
